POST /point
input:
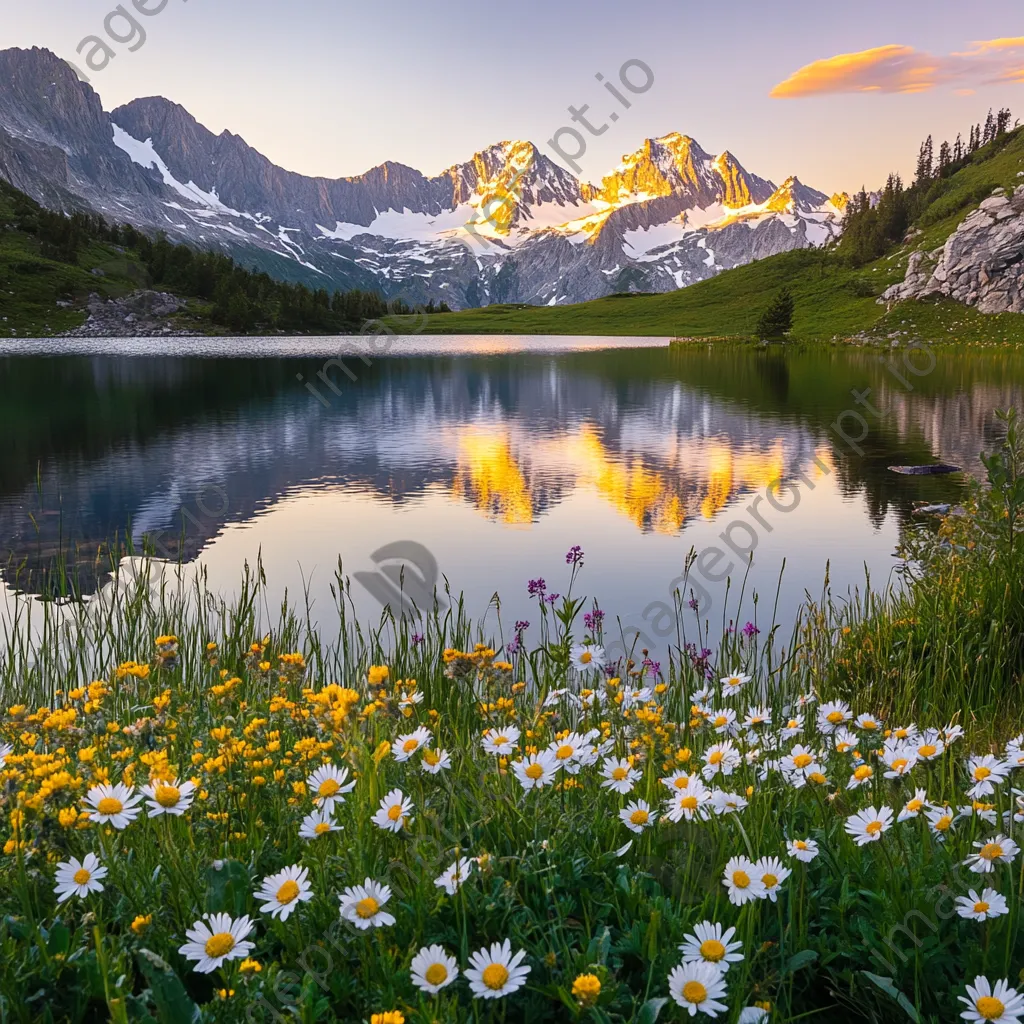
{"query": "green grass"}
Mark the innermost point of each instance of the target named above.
(833, 300)
(244, 703)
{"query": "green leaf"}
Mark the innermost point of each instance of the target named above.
(59, 940)
(649, 1011)
(887, 986)
(799, 960)
(173, 1005)
(227, 888)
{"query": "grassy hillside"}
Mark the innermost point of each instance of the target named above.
(833, 299)
(50, 264)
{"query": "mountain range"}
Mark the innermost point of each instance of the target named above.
(508, 225)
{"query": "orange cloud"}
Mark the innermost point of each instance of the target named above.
(993, 45)
(885, 68)
(902, 69)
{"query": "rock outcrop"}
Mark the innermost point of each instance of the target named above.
(981, 264)
(143, 314)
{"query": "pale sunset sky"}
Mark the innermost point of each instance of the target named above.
(332, 87)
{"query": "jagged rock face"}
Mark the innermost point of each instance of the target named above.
(507, 225)
(981, 264)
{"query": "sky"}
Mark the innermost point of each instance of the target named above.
(334, 87)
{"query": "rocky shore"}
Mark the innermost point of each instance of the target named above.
(143, 314)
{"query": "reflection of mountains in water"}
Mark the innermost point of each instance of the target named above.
(178, 448)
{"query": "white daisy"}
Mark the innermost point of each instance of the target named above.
(724, 802)
(772, 873)
(79, 877)
(793, 727)
(992, 1004)
(434, 762)
(329, 785)
(363, 905)
(619, 775)
(915, 806)
(980, 908)
(698, 986)
(284, 891)
(723, 722)
(940, 820)
(637, 815)
(394, 812)
(405, 746)
(554, 696)
(677, 780)
(756, 717)
(929, 745)
(536, 771)
(216, 939)
(410, 699)
(586, 657)
(432, 969)
(986, 773)
(316, 824)
(721, 757)
(451, 879)
(867, 826)
(804, 850)
(689, 803)
(113, 805)
(869, 723)
(169, 797)
(997, 850)
(844, 740)
(495, 972)
(801, 760)
(732, 684)
(832, 715)
(743, 881)
(752, 1015)
(500, 742)
(952, 733)
(707, 943)
(567, 751)
(861, 776)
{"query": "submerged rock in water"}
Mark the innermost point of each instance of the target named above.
(936, 470)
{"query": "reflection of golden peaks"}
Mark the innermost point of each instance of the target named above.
(635, 491)
(744, 471)
(488, 475)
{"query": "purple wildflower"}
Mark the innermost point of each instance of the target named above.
(574, 556)
(536, 587)
(750, 630)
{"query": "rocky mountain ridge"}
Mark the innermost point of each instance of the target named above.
(508, 225)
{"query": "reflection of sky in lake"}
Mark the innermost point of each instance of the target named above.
(497, 464)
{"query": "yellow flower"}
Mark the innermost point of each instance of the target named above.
(141, 923)
(377, 675)
(382, 751)
(586, 988)
(390, 1017)
(67, 816)
(248, 966)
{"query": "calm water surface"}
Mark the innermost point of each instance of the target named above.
(495, 454)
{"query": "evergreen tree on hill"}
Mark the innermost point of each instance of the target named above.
(777, 319)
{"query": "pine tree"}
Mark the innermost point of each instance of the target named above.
(777, 319)
(990, 129)
(958, 148)
(1003, 121)
(945, 158)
